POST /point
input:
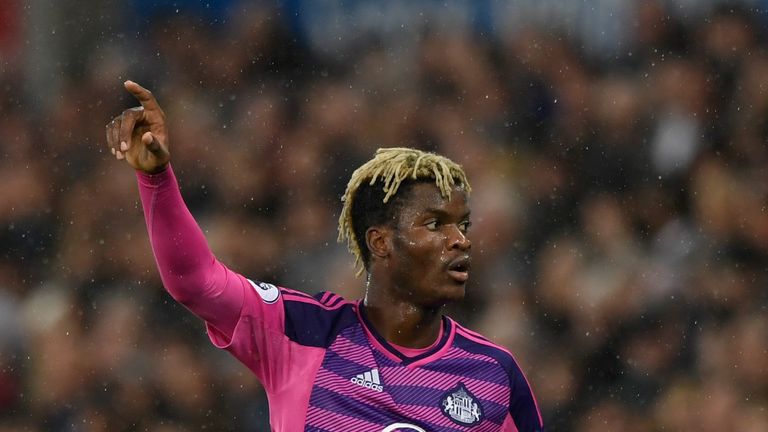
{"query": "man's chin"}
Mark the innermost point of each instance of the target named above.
(451, 293)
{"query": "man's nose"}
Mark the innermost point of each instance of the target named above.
(458, 239)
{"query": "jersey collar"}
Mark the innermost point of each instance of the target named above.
(381, 344)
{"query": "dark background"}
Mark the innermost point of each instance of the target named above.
(617, 151)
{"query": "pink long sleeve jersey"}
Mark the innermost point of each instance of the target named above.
(322, 364)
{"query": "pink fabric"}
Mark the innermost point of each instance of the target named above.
(236, 317)
(427, 376)
(286, 369)
(330, 420)
(189, 271)
(349, 350)
(508, 425)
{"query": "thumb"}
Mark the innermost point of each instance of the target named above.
(151, 143)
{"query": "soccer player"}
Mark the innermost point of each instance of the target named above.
(389, 362)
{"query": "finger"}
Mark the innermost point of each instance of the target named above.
(108, 135)
(144, 96)
(108, 131)
(114, 133)
(129, 118)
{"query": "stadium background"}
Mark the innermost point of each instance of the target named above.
(617, 150)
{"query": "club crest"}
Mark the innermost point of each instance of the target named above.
(461, 406)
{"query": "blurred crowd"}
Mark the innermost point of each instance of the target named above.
(620, 227)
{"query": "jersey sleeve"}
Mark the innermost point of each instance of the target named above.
(228, 302)
(188, 269)
(258, 339)
(282, 335)
(523, 414)
(276, 332)
(523, 409)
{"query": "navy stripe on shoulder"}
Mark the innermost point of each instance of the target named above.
(328, 298)
(316, 320)
(522, 404)
(291, 292)
(468, 341)
(335, 300)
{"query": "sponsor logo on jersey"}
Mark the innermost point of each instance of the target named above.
(369, 380)
(268, 292)
(461, 406)
(402, 427)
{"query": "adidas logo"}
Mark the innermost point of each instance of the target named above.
(369, 380)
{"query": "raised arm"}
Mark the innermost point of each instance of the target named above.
(189, 271)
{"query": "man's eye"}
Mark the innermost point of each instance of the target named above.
(432, 226)
(464, 226)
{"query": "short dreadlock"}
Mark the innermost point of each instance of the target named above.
(370, 198)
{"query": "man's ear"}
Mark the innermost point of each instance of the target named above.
(379, 241)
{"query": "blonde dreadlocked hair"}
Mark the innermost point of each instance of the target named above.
(392, 167)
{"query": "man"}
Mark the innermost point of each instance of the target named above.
(391, 362)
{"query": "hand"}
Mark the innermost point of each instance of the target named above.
(139, 135)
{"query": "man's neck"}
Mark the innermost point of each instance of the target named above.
(402, 322)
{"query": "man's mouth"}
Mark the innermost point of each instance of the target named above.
(458, 269)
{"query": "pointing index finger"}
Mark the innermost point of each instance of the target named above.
(144, 96)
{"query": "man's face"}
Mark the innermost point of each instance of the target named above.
(430, 249)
